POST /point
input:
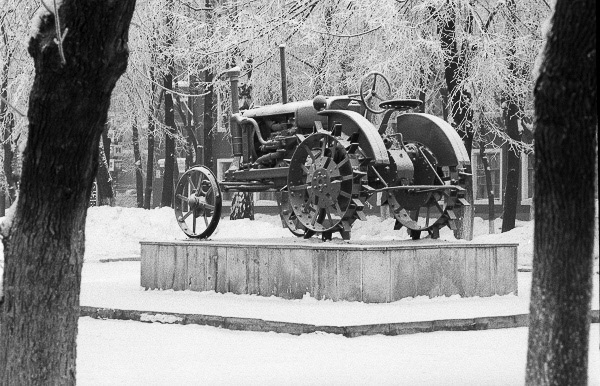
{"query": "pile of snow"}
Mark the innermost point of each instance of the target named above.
(115, 232)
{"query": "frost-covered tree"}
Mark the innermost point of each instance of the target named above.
(15, 80)
(79, 51)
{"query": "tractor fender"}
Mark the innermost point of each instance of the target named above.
(369, 139)
(435, 133)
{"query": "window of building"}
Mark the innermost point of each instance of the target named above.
(480, 189)
(526, 178)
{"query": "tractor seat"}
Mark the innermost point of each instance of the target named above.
(401, 104)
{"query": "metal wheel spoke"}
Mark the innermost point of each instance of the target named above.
(329, 216)
(314, 220)
(299, 187)
(437, 204)
(201, 182)
(323, 146)
(194, 189)
(209, 207)
(182, 198)
(194, 223)
(205, 219)
(333, 150)
(337, 209)
(187, 215)
(343, 178)
(309, 152)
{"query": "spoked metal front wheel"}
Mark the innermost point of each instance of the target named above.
(198, 202)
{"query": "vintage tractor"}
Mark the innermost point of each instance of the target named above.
(325, 159)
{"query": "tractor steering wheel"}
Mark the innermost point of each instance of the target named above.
(374, 91)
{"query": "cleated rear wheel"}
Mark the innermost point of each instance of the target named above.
(425, 210)
(324, 186)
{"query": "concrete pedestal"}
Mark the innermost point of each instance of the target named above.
(357, 271)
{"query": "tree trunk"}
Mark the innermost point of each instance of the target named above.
(566, 120)
(44, 244)
(489, 186)
(2, 212)
(196, 117)
(208, 122)
(512, 113)
(106, 142)
(149, 166)
(151, 130)
(170, 156)
(169, 173)
(137, 157)
(455, 71)
(106, 195)
(513, 175)
(189, 133)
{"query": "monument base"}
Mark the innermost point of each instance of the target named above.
(372, 272)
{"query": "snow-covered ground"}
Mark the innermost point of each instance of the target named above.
(121, 352)
(112, 352)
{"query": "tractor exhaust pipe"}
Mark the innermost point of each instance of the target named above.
(284, 96)
(236, 128)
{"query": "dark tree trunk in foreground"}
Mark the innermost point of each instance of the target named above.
(44, 245)
(137, 158)
(566, 122)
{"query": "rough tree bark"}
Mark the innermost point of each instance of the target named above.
(566, 121)
(44, 243)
